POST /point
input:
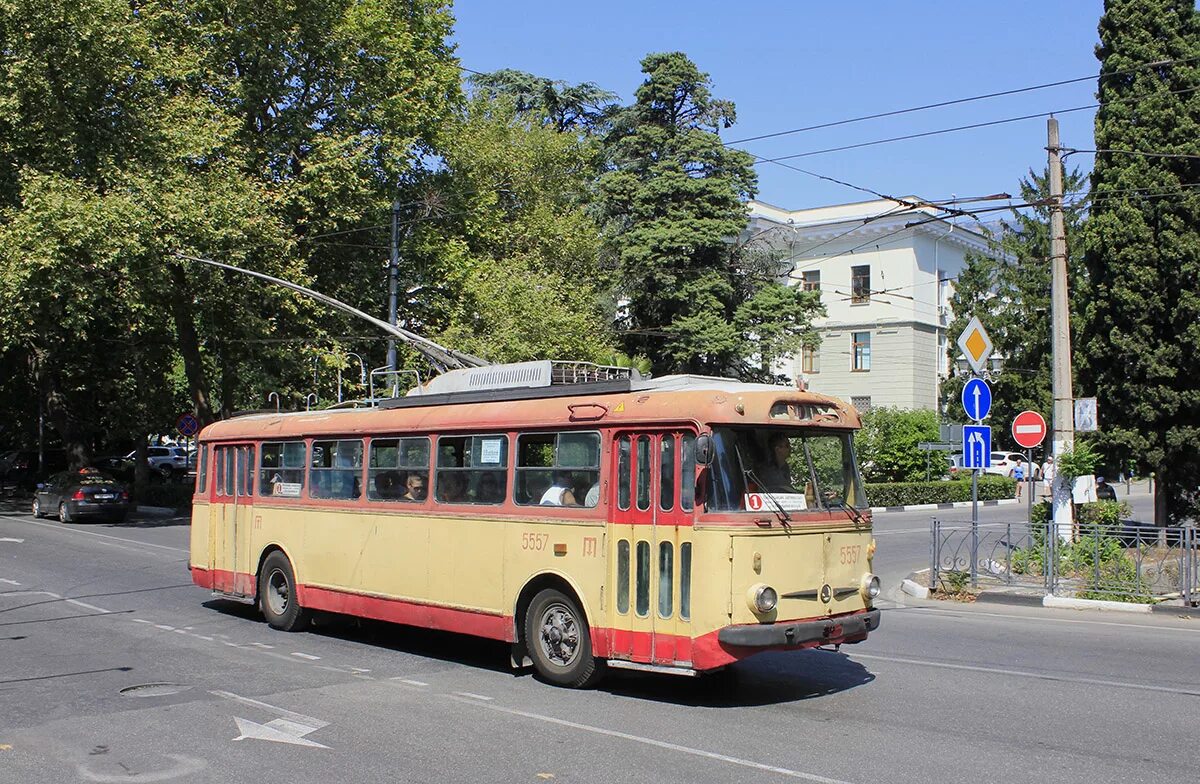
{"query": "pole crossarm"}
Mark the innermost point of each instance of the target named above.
(441, 357)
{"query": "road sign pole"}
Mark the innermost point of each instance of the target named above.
(975, 528)
(1030, 485)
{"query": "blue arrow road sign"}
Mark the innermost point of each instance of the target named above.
(977, 446)
(977, 399)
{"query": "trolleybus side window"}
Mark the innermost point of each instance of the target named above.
(643, 473)
(229, 470)
(219, 469)
(623, 576)
(666, 578)
(472, 469)
(687, 479)
(398, 469)
(336, 469)
(281, 472)
(685, 581)
(202, 468)
(245, 474)
(642, 580)
(624, 476)
(666, 485)
(558, 469)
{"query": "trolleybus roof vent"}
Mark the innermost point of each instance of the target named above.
(523, 375)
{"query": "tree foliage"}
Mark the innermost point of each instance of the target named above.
(695, 301)
(888, 445)
(1142, 246)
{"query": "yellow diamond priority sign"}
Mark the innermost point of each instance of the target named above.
(976, 345)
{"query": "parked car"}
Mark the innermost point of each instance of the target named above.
(1004, 463)
(954, 466)
(85, 493)
(167, 461)
(116, 466)
(20, 470)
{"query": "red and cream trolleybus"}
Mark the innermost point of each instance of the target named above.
(674, 524)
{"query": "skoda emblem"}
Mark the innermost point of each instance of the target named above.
(826, 593)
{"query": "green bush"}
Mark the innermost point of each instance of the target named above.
(173, 496)
(991, 488)
(887, 444)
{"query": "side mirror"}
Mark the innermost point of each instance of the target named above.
(704, 450)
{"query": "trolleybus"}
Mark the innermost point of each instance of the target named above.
(675, 524)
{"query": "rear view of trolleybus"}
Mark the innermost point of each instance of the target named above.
(677, 524)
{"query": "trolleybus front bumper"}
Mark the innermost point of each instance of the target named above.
(787, 634)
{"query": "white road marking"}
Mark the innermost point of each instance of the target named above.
(284, 712)
(164, 627)
(1027, 674)
(410, 682)
(308, 656)
(9, 582)
(141, 620)
(277, 731)
(795, 774)
(203, 637)
(471, 696)
(262, 645)
(10, 539)
(81, 532)
(86, 606)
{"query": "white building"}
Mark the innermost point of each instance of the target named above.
(886, 274)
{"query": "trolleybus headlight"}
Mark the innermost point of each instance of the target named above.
(870, 586)
(763, 598)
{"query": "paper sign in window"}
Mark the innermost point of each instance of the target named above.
(489, 451)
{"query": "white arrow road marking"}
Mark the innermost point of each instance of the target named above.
(277, 730)
(10, 539)
(291, 728)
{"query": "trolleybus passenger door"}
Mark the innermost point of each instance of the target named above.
(671, 558)
(647, 534)
(230, 545)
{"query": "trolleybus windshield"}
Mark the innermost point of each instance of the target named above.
(796, 470)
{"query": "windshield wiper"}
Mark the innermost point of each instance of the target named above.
(785, 519)
(851, 511)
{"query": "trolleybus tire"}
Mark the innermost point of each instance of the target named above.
(277, 595)
(558, 641)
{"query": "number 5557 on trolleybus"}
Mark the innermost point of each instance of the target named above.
(590, 517)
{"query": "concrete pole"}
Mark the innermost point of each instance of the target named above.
(1060, 317)
(393, 282)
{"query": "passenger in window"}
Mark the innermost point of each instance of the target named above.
(560, 492)
(452, 487)
(491, 490)
(415, 488)
(776, 474)
(593, 496)
(387, 484)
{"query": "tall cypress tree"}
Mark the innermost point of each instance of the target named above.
(1142, 246)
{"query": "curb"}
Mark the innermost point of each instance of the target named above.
(1180, 610)
(1003, 597)
(950, 505)
(1094, 604)
(156, 511)
(914, 589)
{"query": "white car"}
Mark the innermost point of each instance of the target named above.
(1005, 463)
(167, 460)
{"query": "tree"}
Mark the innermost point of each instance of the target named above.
(1009, 290)
(1141, 323)
(565, 107)
(696, 300)
(888, 445)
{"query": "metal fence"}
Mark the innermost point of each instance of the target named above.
(1124, 562)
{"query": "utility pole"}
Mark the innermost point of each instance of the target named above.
(1060, 318)
(393, 282)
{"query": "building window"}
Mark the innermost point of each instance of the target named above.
(860, 349)
(860, 284)
(863, 404)
(810, 280)
(810, 359)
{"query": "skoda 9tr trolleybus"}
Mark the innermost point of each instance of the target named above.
(586, 515)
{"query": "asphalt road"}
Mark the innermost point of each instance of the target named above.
(114, 668)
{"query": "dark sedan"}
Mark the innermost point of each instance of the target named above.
(86, 493)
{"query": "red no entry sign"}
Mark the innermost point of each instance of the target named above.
(1028, 429)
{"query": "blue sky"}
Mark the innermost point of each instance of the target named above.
(789, 65)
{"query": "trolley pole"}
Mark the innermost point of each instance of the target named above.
(393, 282)
(1064, 427)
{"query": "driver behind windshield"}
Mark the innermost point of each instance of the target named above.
(775, 473)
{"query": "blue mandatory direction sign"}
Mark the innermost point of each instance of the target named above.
(977, 399)
(977, 446)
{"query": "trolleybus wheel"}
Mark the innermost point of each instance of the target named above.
(558, 641)
(277, 595)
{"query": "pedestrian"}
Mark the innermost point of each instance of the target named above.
(1048, 477)
(1018, 473)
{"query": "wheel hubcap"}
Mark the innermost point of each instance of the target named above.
(278, 595)
(559, 638)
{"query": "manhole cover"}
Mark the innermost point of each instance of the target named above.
(153, 690)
